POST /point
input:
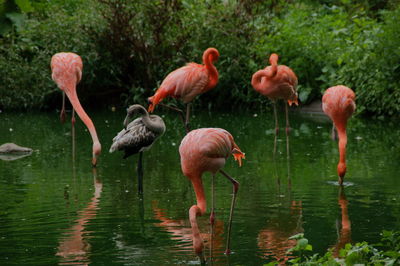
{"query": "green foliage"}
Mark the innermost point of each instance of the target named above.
(128, 47)
(326, 46)
(25, 56)
(358, 254)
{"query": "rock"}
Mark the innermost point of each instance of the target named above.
(11, 148)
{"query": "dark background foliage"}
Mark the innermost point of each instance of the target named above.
(128, 47)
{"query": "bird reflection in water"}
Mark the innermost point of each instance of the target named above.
(273, 240)
(74, 247)
(344, 234)
(181, 233)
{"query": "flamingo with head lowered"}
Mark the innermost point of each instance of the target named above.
(187, 82)
(277, 82)
(67, 72)
(206, 150)
(338, 103)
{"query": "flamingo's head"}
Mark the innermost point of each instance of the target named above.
(211, 53)
(96, 152)
(273, 59)
(293, 100)
(341, 169)
(151, 104)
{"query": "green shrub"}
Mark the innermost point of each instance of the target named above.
(128, 47)
(25, 55)
(385, 253)
(326, 46)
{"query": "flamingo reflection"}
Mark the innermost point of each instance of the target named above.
(273, 240)
(344, 234)
(74, 247)
(181, 233)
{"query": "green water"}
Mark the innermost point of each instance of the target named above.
(55, 209)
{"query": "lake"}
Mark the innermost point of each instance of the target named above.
(57, 209)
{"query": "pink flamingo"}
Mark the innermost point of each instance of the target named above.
(187, 82)
(338, 103)
(67, 72)
(276, 82)
(206, 150)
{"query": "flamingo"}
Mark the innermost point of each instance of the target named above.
(338, 103)
(206, 150)
(187, 82)
(138, 136)
(276, 82)
(67, 72)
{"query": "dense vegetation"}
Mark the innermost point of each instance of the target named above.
(128, 47)
(387, 252)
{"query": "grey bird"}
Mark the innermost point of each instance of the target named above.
(138, 136)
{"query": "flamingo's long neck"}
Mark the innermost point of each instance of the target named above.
(273, 60)
(73, 97)
(212, 70)
(197, 210)
(342, 145)
(258, 80)
(152, 125)
(341, 128)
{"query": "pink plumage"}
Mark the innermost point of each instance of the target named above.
(338, 103)
(187, 82)
(206, 150)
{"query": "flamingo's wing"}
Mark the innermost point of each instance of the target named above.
(216, 143)
(133, 139)
(186, 82)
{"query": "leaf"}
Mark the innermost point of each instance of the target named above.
(24, 5)
(17, 19)
(302, 243)
(297, 236)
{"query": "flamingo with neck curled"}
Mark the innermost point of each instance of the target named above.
(67, 72)
(277, 82)
(138, 136)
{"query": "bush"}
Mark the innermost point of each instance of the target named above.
(128, 47)
(327, 46)
(25, 55)
(385, 253)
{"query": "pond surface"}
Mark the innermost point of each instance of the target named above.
(56, 209)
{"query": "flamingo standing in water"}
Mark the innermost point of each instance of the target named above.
(276, 82)
(67, 72)
(338, 103)
(206, 150)
(187, 82)
(138, 136)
